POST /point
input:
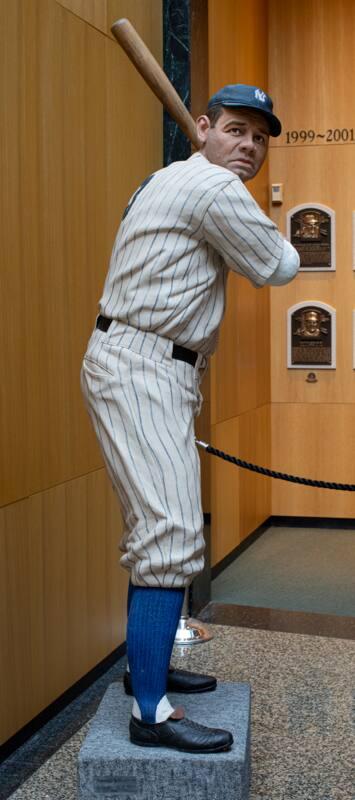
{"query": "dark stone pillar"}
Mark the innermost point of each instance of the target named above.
(176, 46)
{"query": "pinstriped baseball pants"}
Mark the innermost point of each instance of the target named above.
(142, 403)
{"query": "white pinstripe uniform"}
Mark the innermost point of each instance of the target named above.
(183, 230)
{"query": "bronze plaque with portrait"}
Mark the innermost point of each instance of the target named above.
(311, 235)
(311, 337)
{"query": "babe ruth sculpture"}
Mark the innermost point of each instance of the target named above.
(184, 229)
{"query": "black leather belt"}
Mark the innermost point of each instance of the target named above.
(103, 323)
(179, 352)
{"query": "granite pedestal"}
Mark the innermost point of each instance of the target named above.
(111, 768)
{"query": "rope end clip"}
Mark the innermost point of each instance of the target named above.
(202, 444)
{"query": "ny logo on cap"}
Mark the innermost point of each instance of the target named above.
(260, 95)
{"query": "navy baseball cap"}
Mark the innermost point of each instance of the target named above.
(240, 95)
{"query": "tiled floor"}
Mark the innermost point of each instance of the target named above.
(302, 727)
(301, 667)
(271, 619)
(48, 741)
(296, 569)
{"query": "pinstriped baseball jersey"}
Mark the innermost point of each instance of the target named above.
(182, 231)
(184, 228)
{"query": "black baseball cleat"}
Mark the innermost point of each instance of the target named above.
(180, 734)
(179, 680)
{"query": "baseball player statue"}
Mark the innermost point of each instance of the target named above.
(182, 232)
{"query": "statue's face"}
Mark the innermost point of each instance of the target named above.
(239, 141)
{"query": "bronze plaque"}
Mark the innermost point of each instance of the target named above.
(311, 337)
(311, 235)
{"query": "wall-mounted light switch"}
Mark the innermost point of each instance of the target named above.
(276, 194)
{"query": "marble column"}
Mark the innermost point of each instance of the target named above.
(176, 46)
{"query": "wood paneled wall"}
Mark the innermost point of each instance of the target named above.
(313, 424)
(240, 375)
(92, 11)
(63, 597)
(240, 499)
(72, 114)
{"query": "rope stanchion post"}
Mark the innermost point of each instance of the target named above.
(190, 631)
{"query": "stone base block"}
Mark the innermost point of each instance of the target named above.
(111, 768)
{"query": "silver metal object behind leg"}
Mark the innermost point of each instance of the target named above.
(190, 631)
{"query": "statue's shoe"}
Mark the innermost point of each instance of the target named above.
(180, 734)
(179, 680)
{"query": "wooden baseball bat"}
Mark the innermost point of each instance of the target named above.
(154, 76)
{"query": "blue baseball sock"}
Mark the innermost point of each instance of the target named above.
(152, 622)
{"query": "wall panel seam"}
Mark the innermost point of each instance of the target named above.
(53, 486)
(311, 404)
(238, 416)
(84, 21)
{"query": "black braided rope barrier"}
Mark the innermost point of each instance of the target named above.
(282, 476)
